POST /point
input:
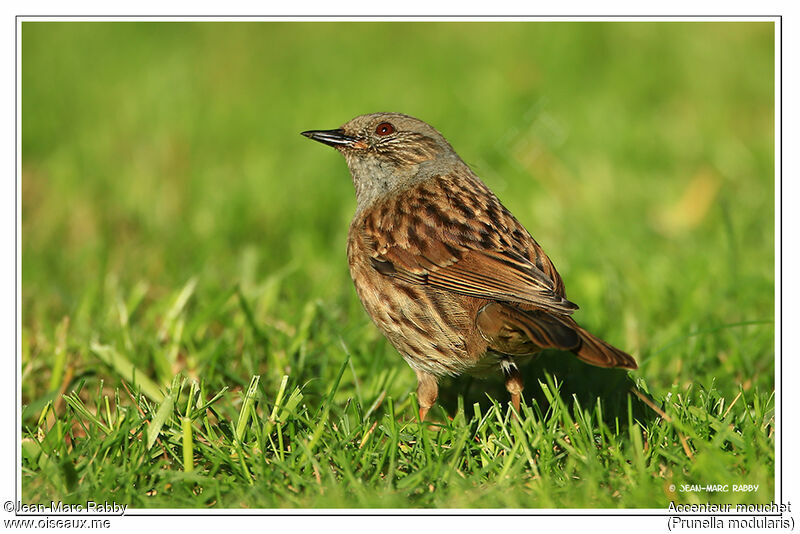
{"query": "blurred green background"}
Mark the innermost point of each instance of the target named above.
(159, 151)
(640, 155)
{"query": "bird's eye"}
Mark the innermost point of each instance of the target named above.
(384, 128)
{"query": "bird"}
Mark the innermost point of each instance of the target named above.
(447, 274)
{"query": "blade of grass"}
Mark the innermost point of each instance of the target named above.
(127, 371)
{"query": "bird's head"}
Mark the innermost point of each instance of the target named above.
(384, 151)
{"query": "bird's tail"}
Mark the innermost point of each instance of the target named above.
(512, 330)
(595, 351)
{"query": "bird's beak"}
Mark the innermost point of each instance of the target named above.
(334, 138)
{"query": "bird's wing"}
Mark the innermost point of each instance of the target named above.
(512, 330)
(490, 275)
(473, 247)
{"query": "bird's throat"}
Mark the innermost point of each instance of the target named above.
(375, 179)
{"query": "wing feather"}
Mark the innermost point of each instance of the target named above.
(489, 255)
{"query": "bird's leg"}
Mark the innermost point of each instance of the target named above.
(514, 383)
(427, 391)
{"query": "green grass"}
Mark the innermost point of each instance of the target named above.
(190, 334)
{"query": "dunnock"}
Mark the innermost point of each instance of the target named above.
(444, 270)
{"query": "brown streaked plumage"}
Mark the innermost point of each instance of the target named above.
(444, 270)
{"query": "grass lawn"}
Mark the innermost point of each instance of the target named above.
(190, 334)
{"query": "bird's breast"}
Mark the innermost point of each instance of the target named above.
(433, 329)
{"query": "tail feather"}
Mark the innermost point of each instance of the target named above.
(512, 330)
(595, 351)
